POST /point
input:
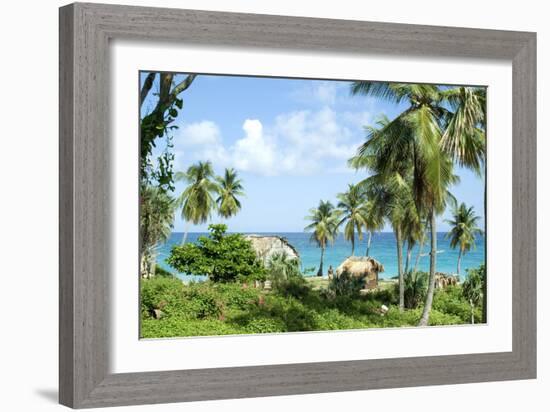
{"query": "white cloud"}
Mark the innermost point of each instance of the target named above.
(323, 92)
(254, 152)
(302, 142)
(205, 132)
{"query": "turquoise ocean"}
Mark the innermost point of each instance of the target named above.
(383, 249)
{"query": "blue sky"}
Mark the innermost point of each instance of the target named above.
(289, 140)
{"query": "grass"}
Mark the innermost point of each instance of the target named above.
(170, 308)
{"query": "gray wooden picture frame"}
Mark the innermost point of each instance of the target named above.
(85, 32)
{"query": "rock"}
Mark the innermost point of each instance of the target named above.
(384, 309)
(157, 313)
(267, 285)
(267, 246)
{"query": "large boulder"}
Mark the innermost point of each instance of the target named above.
(267, 246)
(363, 267)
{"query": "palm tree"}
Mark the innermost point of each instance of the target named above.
(473, 288)
(464, 139)
(197, 199)
(229, 188)
(324, 224)
(354, 212)
(392, 195)
(389, 188)
(463, 230)
(157, 211)
(414, 136)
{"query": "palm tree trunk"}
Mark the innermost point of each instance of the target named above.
(320, 271)
(368, 243)
(431, 282)
(420, 249)
(185, 233)
(408, 256)
(400, 269)
(472, 311)
(458, 261)
(352, 245)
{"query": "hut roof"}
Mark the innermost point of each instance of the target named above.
(360, 264)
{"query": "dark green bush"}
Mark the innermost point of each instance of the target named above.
(416, 287)
(162, 293)
(160, 271)
(451, 301)
(221, 257)
(204, 301)
(345, 285)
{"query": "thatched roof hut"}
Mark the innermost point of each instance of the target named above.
(362, 267)
(267, 246)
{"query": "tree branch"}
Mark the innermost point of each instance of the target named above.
(146, 88)
(185, 83)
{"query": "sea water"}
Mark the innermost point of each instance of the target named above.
(383, 249)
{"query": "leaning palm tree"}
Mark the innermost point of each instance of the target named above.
(197, 199)
(414, 136)
(324, 224)
(354, 213)
(230, 187)
(463, 231)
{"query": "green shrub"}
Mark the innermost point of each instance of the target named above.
(451, 301)
(162, 293)
(204, 301)
(345, 284)
(387, 296)
(236, 296)
(265, 325)
(280, 267)
(221, 257)
(416, 287)
(160, 271)
(295, 287)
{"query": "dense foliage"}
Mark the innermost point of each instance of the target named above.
(171, 308)
(220, 256)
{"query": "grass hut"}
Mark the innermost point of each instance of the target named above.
(363, 267)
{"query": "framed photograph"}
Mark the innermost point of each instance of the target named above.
(256, 205)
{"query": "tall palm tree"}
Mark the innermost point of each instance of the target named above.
(463, 230)
(465, 139)
(229, 187)
(197, 199)
(392, 195)
(324, 224)
(415, 136)
(353, 213)
(389, 188)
